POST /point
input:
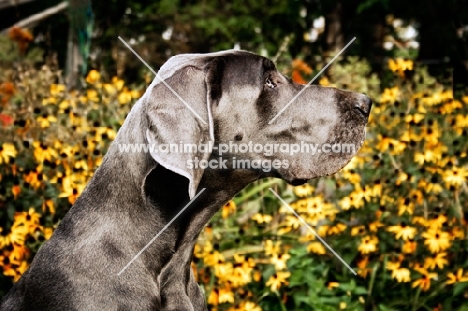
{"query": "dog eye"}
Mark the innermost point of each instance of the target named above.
(269, 83)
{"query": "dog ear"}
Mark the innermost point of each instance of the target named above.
(172, 126)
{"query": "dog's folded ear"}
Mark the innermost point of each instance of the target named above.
(178, 106)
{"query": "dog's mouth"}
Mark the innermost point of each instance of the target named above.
(298, 182)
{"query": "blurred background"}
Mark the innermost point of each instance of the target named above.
(397, 213)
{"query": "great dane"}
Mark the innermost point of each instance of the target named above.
(232, 96)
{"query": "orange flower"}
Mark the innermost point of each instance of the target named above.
(299, 66)
(297, 77)
(7, 89)
(21, 36)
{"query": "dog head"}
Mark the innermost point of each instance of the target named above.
(238, 103)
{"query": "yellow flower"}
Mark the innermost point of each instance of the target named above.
(437, 97)
(368, 244)
(26, 218)
(7, 151)
(316, 247)
(213, 298)
(43, 152)
(403, 232)
(228, 208)
(48, 204)
(303, 190)
(18, 235)
(277, 279)
(47, 233)
(450, 106)
(110, 89)
(325, 82)
(45, 120)
(390, 95)
(402, 275)
(249, 306)
(358, 230)
(337, 229)
(261, 218)
(436, 240)
(125, 96)
(427, 156)
(332, 285)
(362, 265)
(213, 259)
(353, 177)
(399, 65)
(409, 247)
(93, 77)
(416, 118)
(455, 176)
(92, 95)
(439, 260)
(57, 89)
(354, 199)
(226, 295)
(425, 281)
(457, 278)
(272, 248)
(405, 205)
(280, 261)
(118, 83)
(461, 121)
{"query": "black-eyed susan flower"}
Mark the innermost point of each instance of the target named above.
(225, 295)
(7, 151)
(402, 275)
(279, 261)
(93, 77)
(399, 65)
(43, 152)
(439, 261)
(390, 95)
(213, 259)
(336, 229)
(277, 280)
(92, 95)
(303, 190)
(436, 240)
(262, 218)
(228, 209)
(272, 248)
(425, 281)
(46, 119)
(118, 83)
(455, 176)
(249, 306)
(403, 232)
(409, 247)
(316, 248)
(458, 277)
(368, 244)
(57, 90)
(125, 96)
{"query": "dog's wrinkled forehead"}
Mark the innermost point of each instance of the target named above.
(236, 59)
(240, 67)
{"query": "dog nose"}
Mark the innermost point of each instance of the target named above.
(364, 105)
